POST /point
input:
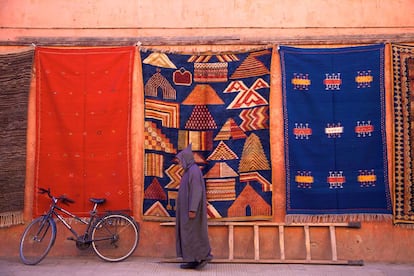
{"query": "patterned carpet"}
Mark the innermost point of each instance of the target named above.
(219, 102)
(403, 73)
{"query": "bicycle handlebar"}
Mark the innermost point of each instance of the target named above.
(66, 200)
(44, 191)
(61, 198)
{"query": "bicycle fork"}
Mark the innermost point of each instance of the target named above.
(43, 229)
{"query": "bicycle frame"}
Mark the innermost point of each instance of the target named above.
(55, 210)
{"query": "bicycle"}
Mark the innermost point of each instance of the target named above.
(114, 236)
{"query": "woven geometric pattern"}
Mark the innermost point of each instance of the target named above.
(220, 104)
(334, 113)
(403, 69)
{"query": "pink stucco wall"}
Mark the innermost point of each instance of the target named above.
(197, 25)
(242, 19)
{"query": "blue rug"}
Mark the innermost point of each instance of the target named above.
(219, 102)
(334, 123)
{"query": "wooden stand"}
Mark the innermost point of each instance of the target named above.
(281, 227)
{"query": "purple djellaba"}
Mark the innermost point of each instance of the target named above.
(192, 243)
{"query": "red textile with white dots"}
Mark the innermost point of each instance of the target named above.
(83, 119)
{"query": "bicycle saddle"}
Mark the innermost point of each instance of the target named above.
(97, 200)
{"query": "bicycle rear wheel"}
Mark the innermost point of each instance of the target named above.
(37, 240)
(115, 237)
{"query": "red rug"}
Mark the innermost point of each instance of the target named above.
(83, 117)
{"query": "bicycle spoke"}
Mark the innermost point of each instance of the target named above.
(115, 237)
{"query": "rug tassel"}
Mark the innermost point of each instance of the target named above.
(337, 218)
(11, 218)
(405, 225)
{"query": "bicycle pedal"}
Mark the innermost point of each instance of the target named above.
(71, 239)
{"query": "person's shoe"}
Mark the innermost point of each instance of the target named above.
(203, 263)
(190, 265)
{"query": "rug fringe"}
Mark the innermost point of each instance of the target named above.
(11, 218)
(337, 218)
(405, 225)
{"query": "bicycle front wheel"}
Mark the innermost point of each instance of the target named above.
(37, 240)
(115, 237)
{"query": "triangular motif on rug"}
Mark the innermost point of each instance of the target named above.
(160, 60)
(230, 130)
(253, 157)
(222, 152)
(220, 170)
(203, 94)
(157, 210)
(201, 119)
(155, 191)
(251, 66)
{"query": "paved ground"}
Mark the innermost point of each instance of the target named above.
(90, 266)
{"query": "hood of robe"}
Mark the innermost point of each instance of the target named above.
(186, 157)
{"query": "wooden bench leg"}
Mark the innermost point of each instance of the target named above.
(333, 242)
(282, 242)
(256, 243)
(231, 242)
(307, 242)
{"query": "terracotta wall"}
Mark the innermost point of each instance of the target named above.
(197, 25)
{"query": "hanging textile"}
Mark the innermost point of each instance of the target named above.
(220, 104)
(83, 119)
(403, 73)
(334, 122)
(15, 76)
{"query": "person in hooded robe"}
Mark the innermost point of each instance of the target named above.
(192, 243)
